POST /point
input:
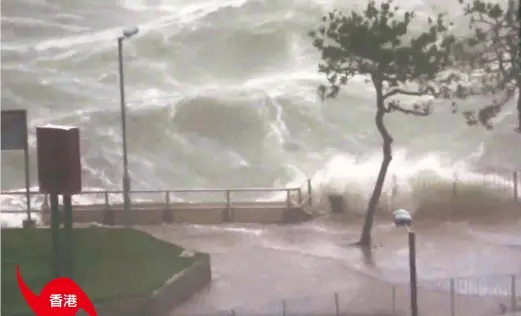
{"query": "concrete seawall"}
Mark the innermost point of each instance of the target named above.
(191, 213)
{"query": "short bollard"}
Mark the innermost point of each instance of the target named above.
(337, 203)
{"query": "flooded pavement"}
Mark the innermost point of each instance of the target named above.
(255, 267)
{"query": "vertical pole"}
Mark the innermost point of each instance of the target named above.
(337, 305)
(513, 293)
(310, 195)
(107, 203)
(515, 186)
(27, 185)
(454, 191)
(27, 176)
(299, 196)
(452, 298)
(393, 294)
(284, 308)
(288, 199)
(126, 176)
(168, 214)
(68, 237)
(228, 206)
(108, 214)
(55, 235)
(412, 268)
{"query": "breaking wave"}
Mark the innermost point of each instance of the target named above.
(223, 94)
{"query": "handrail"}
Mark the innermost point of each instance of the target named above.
(291, 199)
(210, 190)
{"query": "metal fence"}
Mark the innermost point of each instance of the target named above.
(496, 186)
(496, 183)
(456, 195)
(486, 296)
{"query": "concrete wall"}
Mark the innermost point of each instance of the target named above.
(175, 291)
(253, 215)
(141, 214)
(180, 288)
(198, 216)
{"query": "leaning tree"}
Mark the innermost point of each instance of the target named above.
(491, 54)
(379, 43)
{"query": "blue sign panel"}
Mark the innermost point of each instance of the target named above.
(14, 130)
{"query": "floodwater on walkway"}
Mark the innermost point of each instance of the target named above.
(256, 266)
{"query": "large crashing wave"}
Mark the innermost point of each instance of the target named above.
(223, 94)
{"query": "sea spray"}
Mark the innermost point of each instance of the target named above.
(410, 183)
(222, 94)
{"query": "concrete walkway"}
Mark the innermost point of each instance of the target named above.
(255, 267)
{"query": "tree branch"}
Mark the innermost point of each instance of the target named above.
(484, 115)
(416, 110)
(422, 92)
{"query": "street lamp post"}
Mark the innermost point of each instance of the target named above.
(127, 33)
(403, 218)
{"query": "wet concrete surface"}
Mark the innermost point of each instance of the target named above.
(255, 267)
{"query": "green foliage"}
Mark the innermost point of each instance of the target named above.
(493, 49)
(378, 42)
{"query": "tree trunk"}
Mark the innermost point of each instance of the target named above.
(365, 238)
(519, 108)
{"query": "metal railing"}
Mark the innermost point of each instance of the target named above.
(487, 295)
(113, 198)
(498, 180)
(502, 185)
(498, 190)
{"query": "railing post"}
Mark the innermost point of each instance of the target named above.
(45, 204)
(515, 186)
(288, 199)
(228, 211)
(454, 191)
(108, 214)
(299, 196)
(455, 185)
(513, 293)
(393, 297)
(106, 199)
(168, 216)
(232, 312)
(452, 298)
(283, 308)
(337, 305)
(310, 198)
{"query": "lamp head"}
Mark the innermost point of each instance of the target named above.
(129, 32)
(402, 218)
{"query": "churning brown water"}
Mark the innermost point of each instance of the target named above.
(256, 267)
(223, 94)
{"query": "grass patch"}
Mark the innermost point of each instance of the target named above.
(110, 263)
